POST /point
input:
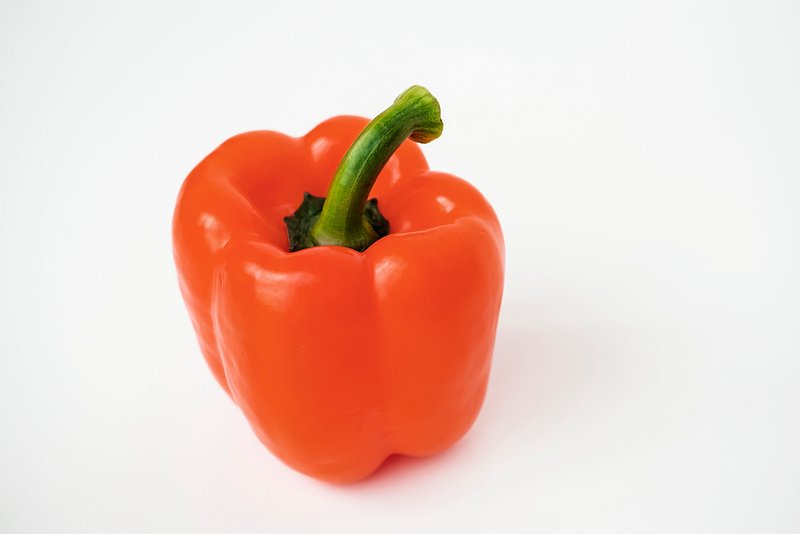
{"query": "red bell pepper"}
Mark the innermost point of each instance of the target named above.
(345, 333)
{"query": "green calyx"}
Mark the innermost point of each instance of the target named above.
(345, 217)
(299, 224)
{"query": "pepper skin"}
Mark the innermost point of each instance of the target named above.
(340, 358)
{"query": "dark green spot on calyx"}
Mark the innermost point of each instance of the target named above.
(299, 224)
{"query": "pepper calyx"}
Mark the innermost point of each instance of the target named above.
(299, 224)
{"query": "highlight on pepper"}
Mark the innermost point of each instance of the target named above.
(344, 295)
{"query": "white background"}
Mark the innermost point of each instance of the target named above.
(644, 161)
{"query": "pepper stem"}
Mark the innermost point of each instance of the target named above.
(414, 114)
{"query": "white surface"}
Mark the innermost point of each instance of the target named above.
(644, 161)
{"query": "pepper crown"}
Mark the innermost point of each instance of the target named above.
(345, 217)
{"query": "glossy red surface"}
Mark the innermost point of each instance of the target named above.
(340, 358)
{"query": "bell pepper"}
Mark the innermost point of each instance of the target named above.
(346, 329)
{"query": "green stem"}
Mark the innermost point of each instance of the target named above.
(415, 114)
